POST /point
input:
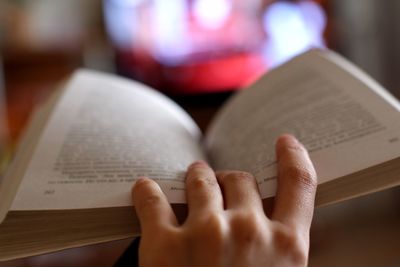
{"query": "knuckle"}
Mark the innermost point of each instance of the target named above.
(302, 176)
(202, 182)
(210, 229)
(291, 244)
(172, 239)
(151, 200)
(245, 228)
(214, 225)
(216, 228)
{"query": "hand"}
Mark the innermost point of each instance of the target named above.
(226, 224)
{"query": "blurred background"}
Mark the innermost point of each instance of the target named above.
(199, 52)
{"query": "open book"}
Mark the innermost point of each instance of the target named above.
(69, 184)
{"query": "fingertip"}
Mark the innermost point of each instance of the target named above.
(151, 204)
(202, 190)
(141, 186)
(198, 163)
(196, 167)
(297, 182)
(139, 181)
(287, 139)
(288, 142)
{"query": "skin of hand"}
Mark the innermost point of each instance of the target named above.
(226, 224)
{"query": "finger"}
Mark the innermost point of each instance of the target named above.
(240, 190)
(152, 207)
(297, 183)
(202, 189)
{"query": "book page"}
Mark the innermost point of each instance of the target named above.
(346, 121)
(103, 134)
(24, 152)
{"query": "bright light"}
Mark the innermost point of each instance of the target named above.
(212, 13)
(121, 21)
(169, 30)
(127, 3)
(292, 28)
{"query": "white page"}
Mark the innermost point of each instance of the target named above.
(102, 135)
(347, 122)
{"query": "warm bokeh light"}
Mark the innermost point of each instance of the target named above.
(209, 45)
(292, 28)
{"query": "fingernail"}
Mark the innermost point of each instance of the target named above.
(288, 140)
(198, 163)
(141, 179)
